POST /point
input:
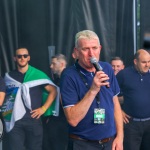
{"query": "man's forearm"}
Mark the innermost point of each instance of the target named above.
(118, 118)
(77, 112)
(2, 96)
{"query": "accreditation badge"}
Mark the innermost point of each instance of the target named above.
(99, 116)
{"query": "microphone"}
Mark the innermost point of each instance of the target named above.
(97, 66)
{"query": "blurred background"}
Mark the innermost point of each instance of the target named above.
(48, 27)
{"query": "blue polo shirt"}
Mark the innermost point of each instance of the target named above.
(135, 87)
(73, 90)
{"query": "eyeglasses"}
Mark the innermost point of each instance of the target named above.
(20, 56)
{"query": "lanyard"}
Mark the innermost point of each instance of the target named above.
(86, 84)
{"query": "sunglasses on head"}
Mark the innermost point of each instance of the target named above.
(20, 56)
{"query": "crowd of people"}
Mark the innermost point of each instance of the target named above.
(91, 105)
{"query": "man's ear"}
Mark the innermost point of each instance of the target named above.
(123, 66)
(29, 58)
(135, 61)
(100, 47)
(76, 52)
(63, 64)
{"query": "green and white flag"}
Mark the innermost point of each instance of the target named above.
(17, 95)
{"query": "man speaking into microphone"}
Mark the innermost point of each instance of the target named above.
(92, 110)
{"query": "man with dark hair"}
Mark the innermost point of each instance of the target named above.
(134, 82)
(55, 127)
(92, 110)
(117, 64)
(58, 64)
(23, 104)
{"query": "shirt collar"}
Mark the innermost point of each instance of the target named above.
(82, 70)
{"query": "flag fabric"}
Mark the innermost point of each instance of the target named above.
(17, 95)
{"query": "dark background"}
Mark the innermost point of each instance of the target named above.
(38, 24)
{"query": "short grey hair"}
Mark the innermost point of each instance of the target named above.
(60, 57)
(86, 34)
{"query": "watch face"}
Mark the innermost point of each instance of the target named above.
(1, 127)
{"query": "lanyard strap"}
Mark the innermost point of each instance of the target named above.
(86, 84)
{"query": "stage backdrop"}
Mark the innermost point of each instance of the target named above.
(38, 24)
(145, 24)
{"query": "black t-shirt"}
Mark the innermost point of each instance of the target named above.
(35, 92)
(61, 116)
(2, 85)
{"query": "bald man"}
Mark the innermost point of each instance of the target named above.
(134, 83)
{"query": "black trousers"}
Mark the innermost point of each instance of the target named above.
(137, 135)
(27, 134)
(84, 145)
(55, 135)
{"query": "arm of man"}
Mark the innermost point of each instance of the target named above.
(118, 142)
(2, 96)
(76, 113)
(52, 94)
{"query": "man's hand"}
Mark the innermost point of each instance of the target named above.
(125, 117)
(37, 113)
(100, 79)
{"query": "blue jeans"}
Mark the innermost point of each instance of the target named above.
(26, 134)
(137, 135)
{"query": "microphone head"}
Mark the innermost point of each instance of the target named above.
(95, 63)
(93, 60)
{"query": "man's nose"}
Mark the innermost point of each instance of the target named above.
(115, 67)
(91, 52)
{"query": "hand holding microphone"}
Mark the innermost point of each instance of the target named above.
(97, 67)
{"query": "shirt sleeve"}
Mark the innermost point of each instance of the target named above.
(69, 89)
